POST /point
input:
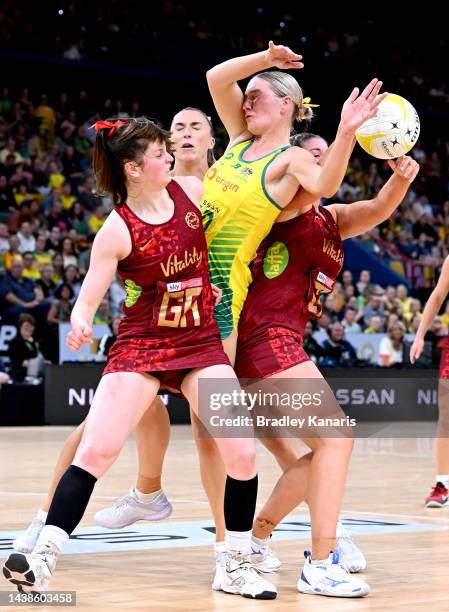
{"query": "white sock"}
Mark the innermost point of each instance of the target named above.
(318, 561)
(260, 542)
(238, 541)
(145, 497)
(42, 515)
(220, 547)
(443, 478)
(55, 535)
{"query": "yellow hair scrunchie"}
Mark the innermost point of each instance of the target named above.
(306, 102)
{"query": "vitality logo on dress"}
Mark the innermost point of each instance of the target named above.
(174, 265)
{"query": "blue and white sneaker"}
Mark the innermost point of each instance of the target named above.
(350, 554)
(264, 559)
(329, 578)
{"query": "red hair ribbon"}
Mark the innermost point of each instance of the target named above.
(112, 125)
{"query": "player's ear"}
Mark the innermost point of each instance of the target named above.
(132, 169)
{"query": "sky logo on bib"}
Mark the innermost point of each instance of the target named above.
(275, 260)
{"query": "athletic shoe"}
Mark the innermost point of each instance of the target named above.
(350, 555)
(330, 578)
(241, 578)
(264, 559)
(26, 541)
(438, 496)
(31, 573)
(128, 509)
(219, 564)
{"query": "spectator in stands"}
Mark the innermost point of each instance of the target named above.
(403, 298)
(10, 150)
(310, 345)
(71, 277)
(69, 257)
(12, 254)
(30, 269)
(66, 196)
(24, 353)
(54, 241)
(347, 279)
(61, 306)
(46, 282)
(364, 285)
(4, 239)
(97, 219)
(21, 295)
(117, 295)
(7, 200)
(108, 339)
(4, 376)
(414, 310)
(41, 255)
(349, 322)
(26, 238)
(374, 307)
(392, 348)
(336, 350)
(103, 314)
(376, 325)
(78, 220)
(84, 257)
(58, 267)
(86, 194)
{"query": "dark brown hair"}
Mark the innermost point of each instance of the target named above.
(127, 143)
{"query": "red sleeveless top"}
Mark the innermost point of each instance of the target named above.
(169, 308)
(296, 263)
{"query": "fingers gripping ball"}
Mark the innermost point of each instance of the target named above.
(393, 131)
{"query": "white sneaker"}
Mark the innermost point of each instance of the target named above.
(26, 541)
(219, 564)
(241, 578)
(330, 578)
(264, 559)
(128, 509)
(350, 555)
(31, 573)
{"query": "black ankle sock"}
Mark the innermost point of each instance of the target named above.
(240, 503)
(71, 498)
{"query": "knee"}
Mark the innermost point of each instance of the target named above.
(336, 446)
(96, 458)
(242, 464)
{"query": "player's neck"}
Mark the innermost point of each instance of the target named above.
(148, 199)
(192, 168)
(270, 140)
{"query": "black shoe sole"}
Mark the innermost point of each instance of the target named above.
(17, 563)
(263, 595)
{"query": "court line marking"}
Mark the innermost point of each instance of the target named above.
(202, 502)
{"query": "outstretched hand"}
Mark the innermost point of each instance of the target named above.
(361, 106)
(405, 167)
(283, 57)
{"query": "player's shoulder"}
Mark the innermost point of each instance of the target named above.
(192, 186)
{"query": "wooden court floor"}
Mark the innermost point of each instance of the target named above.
(408, 569)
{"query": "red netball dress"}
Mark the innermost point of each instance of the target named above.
(169, 326)
(297, 262)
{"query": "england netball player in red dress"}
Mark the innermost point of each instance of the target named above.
(297, 263)
(168, 338)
